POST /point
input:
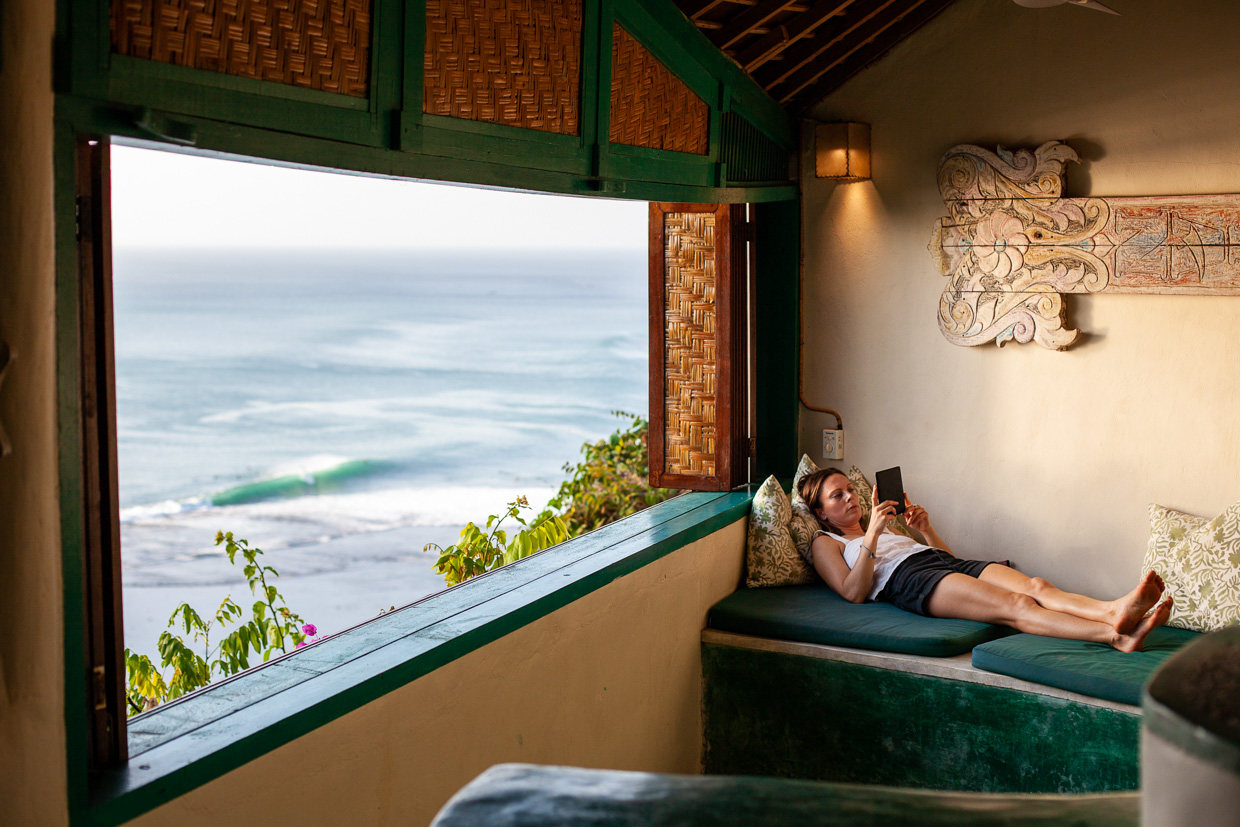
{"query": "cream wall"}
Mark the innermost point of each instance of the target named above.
(1047, 458)
(612, 680)
(32, 763)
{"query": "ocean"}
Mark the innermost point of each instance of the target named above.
(341, 409)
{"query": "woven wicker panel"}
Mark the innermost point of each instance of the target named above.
(318, 44)
(689, 316)
(650, 106)
(513, 62)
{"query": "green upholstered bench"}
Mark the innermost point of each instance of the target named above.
(816, 614)
(523, 795)
(1092, 669)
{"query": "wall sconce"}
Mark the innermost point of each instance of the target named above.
(842, 151)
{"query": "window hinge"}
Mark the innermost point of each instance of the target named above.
(751, 447)
(77, 218)
(99, 687)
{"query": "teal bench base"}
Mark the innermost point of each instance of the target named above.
(523, 795)
(772, 713)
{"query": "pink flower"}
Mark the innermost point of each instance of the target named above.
(300, 644)
(310, 629)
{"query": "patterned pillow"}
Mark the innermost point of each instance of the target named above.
(1199, 560)
(771, 556)
(804, 524)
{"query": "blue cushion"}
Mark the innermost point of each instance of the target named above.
(816, 614)
(1093, 669)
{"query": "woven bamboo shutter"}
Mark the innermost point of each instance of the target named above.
(697, 346)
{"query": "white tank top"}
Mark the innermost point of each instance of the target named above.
(891, 552)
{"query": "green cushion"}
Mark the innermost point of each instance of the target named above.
(816, 614)
(525, 795)
(1093, 669)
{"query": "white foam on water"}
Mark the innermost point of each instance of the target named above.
(307, 466)
(167, 508)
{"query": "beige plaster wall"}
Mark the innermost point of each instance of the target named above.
(612, 680)
(1047, 458)
(32, 764)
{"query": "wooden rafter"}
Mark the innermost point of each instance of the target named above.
(870, 48)
(800, 50)
(799, 64)
(694, 9)
(747, 21)
(787, 34)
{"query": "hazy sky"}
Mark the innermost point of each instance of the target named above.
(164, 199)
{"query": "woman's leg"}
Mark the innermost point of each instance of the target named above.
(1122, 614)
(958, 595)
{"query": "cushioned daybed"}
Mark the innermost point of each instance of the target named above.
(816, 614)
(1092, 669)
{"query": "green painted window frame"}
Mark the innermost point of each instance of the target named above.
(244, 119)
(114, 796)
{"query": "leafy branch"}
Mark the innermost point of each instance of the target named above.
(272, 626)
(609, 483)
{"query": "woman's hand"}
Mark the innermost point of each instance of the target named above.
(880, 515)
(916, 516)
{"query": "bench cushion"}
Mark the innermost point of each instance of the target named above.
(524, 795)
(816, 614)
(1093, 669)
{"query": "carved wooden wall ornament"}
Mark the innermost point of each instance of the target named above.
(1011, 246)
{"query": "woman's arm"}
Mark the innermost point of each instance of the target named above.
(851, 584)
(917, 518)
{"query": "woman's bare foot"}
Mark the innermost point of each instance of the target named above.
(1136, 640)
(1128, 611)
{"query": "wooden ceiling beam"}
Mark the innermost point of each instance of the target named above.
(804, 58)
(693, 8)
(748, 20)
(784, 36)
(864, 55)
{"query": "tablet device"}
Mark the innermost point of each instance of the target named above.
(890, 487)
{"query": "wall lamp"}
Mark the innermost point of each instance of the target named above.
(842, 151)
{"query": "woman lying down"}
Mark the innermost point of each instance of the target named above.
(878, 564)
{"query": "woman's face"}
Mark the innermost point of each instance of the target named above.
(837, 502)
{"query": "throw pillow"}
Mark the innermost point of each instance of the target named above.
(1199, 560)
(771, 556)
(804, 524)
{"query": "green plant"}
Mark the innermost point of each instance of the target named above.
(272, 626)
(611, 481)
(483, 549)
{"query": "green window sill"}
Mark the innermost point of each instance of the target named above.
(191, 741)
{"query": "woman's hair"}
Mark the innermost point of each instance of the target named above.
(810, 488)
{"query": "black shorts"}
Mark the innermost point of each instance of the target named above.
(917, 575)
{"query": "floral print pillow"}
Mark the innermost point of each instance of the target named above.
(771, 557)
(1199, 560)
(804, 524)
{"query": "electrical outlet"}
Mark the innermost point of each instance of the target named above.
(832, 444)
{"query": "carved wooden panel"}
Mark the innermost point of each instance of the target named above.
(650, 106)
(513, 62)
(317, 44)
(696, 395)
(1011, 245)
